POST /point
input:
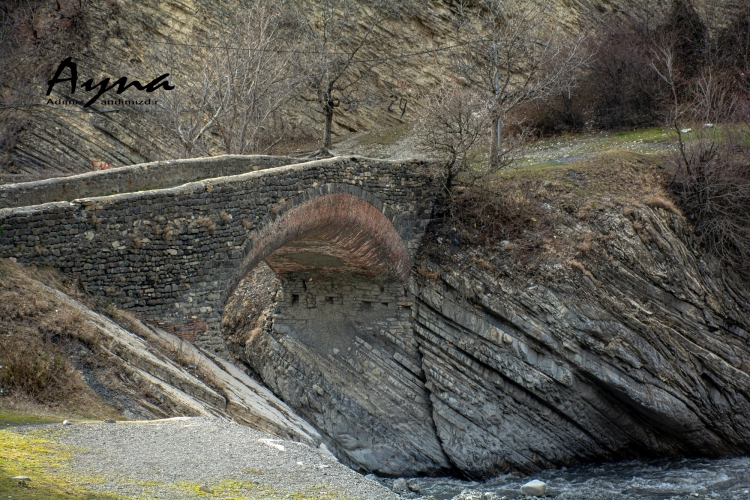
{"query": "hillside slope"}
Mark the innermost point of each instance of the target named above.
(59, 353)
(141, 40)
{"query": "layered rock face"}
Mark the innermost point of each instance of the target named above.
(615, 339)
(343, 353)
(639, 351)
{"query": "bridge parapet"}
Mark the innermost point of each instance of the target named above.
(172, 254)
(144, 176)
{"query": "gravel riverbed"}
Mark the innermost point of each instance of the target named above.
(174, 458)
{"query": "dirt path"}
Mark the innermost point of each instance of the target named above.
(399, 143)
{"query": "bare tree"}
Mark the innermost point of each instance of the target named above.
(246, 76)
(192, 108)
(452, 123)
(337, 63)
(711, 180)
(257, 63)
(522, 57)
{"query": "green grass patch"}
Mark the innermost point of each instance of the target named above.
(654, 134)
(43, 460)
(234, 489)
(15, 417)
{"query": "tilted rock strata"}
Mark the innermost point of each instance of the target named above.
(644, 353)
(638, 350)
(345, 357)
(144, 359)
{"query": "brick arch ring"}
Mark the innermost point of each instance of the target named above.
(330, 229)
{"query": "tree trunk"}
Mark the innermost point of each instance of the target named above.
(496, 145)
(327, 128)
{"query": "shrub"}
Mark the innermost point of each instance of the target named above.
(32, 368)
(451, 128)
(711, 180)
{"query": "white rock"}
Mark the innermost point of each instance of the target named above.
(66, 422)
(399, 484)
(535, 488)
(273, 444)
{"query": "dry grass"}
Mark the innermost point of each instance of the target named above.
(585, 243)
(582, 268)
(548, 216)
(37, 333)
(225, 217)
(426, 273)
(660, 201)
(245, 223)
(206, 223)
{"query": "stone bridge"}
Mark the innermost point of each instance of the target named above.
(172, 240)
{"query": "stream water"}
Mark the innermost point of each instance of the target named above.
(715, 479)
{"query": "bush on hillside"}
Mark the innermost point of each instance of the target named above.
(710, 178)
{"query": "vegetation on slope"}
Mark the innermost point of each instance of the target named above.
(38, 337)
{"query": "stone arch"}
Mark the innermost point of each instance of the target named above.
(329, 230)
(342, 314)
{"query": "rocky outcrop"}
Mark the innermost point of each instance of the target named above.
(614, 337)
(346, 358)
(641, 352)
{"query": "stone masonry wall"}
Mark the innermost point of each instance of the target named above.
(144, 176)
(170, 254)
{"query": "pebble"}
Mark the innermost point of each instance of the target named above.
(206, 489)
